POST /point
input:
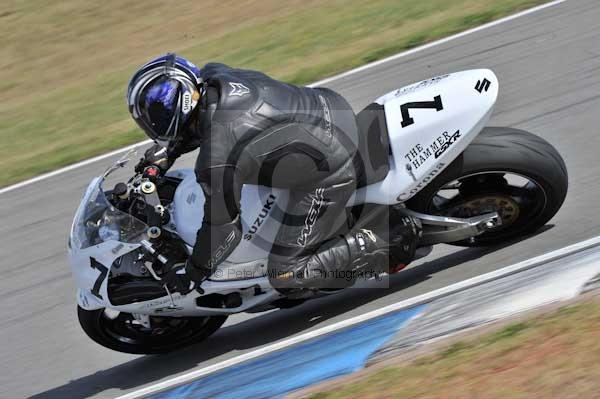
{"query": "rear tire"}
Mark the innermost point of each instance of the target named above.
(480, 173)
(121, 335)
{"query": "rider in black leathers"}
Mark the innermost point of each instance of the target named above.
(253, 129)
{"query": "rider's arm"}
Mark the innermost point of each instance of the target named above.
(221, 227)
(188, 143)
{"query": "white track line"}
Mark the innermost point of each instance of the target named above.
(438, 42)
(71, 167)
(418, 300)
(319, 83)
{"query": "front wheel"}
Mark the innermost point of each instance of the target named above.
(121, 332)
(513, 172)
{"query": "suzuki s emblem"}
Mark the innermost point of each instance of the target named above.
(238, 89)
(483, 85)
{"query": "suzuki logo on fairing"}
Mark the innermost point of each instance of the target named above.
(238, 89)
(311, 216)
(483, 85)
(261, 217)
(191, 198)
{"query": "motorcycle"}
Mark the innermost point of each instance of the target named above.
(426, 152)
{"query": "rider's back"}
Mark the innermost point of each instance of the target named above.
(273, 133)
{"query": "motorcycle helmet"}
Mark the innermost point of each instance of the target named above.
(162, 96)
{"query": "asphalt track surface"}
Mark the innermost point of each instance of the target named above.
(548, 64)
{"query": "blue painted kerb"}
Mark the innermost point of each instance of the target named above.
(307, 363)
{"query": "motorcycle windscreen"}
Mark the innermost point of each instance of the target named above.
(97, 221)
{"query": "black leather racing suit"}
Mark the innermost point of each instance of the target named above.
(253, 129)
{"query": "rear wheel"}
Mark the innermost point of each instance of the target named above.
(509, 171)
(122, 332)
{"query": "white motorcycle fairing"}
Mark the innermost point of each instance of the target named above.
(239, 273)
(429, 124)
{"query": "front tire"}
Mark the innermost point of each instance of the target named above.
(485, 178)
(116, 331)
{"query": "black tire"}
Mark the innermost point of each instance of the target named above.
(118, 335)
(514, 152)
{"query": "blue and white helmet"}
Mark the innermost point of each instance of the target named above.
(162, 95)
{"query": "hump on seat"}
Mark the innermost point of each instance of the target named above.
(372, 159)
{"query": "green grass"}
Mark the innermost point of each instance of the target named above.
(551, 356)
(64, 66)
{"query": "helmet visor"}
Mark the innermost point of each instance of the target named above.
(160, 106)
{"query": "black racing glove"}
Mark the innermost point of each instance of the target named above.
(155, 156)
(177, 279)
(197, 274)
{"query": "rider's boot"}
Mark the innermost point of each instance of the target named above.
(365, 252)
(369, 252)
